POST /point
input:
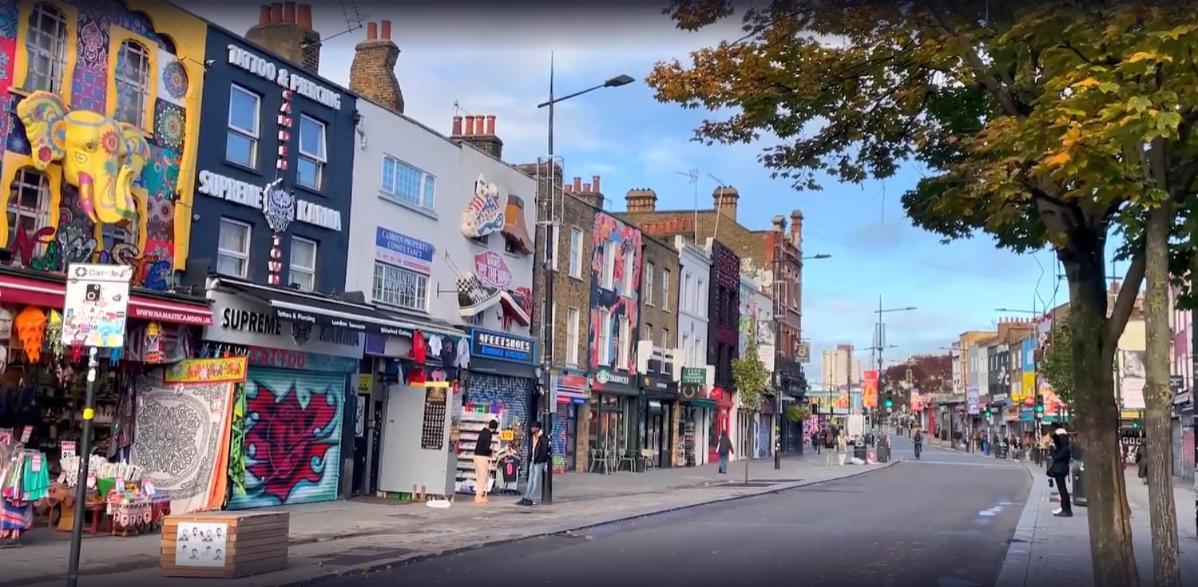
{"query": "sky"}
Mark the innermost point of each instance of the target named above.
(493, 58)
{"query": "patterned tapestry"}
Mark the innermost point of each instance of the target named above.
(292, 437)
(183, 440)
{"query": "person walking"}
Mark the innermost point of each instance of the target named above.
(842, 449)
(1141, 463)
(724, 449)
(816, 442)
(830, 445)
(536, 468)
(482, 461)
(918, 440)
(1059, 471)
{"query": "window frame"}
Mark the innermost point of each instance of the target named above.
(665, 290)
(378, 299)
(56, 82)
(424, 201)
(291, 266)
(573, 323)
(319, 160)
(575, 268)
(142, 89)
(608, 279)
(244, 257)
(623, 342)
(254, 135)
(648, 282)
(605, 323)
(45, 197)
(629, 272)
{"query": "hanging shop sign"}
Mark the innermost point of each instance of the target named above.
(500, 346)
(279, 206)
(218, 370)
(803, 352)
(484, 213)
(606, 380)
(271, 71)
(403, 251)
(97, 301)
(492, 269)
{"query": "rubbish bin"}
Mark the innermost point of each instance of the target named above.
(1078, 491)
(859, 451)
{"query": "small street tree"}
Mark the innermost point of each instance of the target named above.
(1057, 366)
(751, 381)
(1041, 124)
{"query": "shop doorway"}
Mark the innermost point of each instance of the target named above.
(607, 434)
(657, 433)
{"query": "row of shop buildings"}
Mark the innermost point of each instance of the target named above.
(377, 275)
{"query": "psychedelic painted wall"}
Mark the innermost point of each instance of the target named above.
(292, 438)
(614, 290)
(99, 166)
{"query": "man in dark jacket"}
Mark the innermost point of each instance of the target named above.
(536, 467)
(1059, 471)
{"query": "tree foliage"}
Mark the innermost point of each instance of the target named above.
(750, 378)
(1057, 366)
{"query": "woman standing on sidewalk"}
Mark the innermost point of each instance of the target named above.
(724, 449)
(1059, 471)
(842, 449)
(482, 461)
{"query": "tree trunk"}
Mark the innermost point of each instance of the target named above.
(1111, 551)
(746, 458)
(1159, 402)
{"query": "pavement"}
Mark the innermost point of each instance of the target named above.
(944, 520)
(337, 538)
(1051, 551)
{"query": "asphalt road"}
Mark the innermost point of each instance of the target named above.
(943, 521)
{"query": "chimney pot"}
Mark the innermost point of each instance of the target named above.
(372, 31)
(264, 14)
(305, 16)
(480, 125)
(289, 12)
(577, 184)
(469, 125)
(386, 32)
(586, 188)
(595, 182)
(491, 125)
(457, 125)
(276, 12)
(567, 188)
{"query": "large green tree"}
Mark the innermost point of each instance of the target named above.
(1038, 123)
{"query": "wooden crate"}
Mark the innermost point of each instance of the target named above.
(224, 544)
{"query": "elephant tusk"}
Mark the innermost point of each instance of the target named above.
(87, 192)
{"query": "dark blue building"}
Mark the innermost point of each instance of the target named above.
(272, 204)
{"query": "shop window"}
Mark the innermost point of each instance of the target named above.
(46, 45)
(132, 83)
(233, 250)
(28, 203)
(407, 185)
(241, 143)
(399, 287)
(310, 167)
(303, 263)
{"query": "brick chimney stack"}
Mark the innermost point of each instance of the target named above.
(372, 73)
(724, 199)
(588, 192)
(796, 229)
(479, 132)
(285, 28)
(641, 200)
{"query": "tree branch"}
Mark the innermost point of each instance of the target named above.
(1126, 301)
(984, 77)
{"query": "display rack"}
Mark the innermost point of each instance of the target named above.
(471, 424)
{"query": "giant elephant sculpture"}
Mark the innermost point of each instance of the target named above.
(100, 156)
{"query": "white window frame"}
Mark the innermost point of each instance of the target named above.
(252, 134)
(138, 88)
(648, 289)
(426, 185)
(551, 251)
(28, 178)
(317, 159)
(605, 357)
(46, 47)
(665, 338)
(292, 268)
(701, 298)
(608, 279)
(573, 321)
(647, 332)
(623, 344)
(576, 252)
(242, 256)
(665, 290)
(629, 270)
(379, 287)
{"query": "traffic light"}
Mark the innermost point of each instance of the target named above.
(1039, 406)
(889, 401)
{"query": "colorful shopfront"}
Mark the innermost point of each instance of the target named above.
(500, 384)
(696, 414)
(571, 392)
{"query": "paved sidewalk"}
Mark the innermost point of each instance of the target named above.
(335, 538)
(1052, 551)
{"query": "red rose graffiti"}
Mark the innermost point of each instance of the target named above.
(288, 441)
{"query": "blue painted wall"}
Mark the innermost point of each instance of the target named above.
(332, 248)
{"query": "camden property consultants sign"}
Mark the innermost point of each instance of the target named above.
(403, 251)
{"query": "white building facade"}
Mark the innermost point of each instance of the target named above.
(697, 407)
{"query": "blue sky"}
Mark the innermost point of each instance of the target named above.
(491, 60)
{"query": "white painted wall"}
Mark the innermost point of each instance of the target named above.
(692, 306)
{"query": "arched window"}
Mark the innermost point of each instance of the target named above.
(46, 44)
(132, 83)
(28, 203)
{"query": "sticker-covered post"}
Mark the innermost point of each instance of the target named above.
(94, 311)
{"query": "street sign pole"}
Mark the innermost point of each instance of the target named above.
(84, 460)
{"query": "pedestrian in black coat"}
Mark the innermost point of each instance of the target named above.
(1059, 470)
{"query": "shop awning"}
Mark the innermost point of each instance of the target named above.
(316, 309)
(50, 291)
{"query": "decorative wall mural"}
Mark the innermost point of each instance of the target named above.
(99, 156)
(292, 437)
(484, 215)
(620, 301)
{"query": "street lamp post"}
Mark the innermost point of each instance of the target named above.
(880, 343)
(779, 312)
(550, 233)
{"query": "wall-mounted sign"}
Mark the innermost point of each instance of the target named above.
(403, 251)
(504, 347)
(280, 208)
(219, 370)
(284, 78)
(607, 377)
(245, 322)
(492, 269)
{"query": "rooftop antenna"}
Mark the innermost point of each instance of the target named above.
(353, 19)
(693, 174)
(719, 204)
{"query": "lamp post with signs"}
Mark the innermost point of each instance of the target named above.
(97, 299)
